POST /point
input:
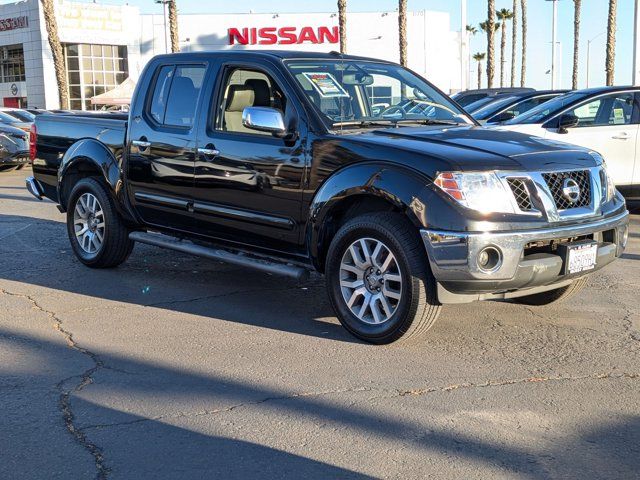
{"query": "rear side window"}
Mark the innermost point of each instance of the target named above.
(176, 93)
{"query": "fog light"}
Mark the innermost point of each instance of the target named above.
(489, 259)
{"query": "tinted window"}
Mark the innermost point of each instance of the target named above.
(183, 96)
(546, 110)
(160, 93)
(175, 96)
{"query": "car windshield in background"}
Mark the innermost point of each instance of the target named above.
(6, 118)
(23, 116)
(362, 93)
(545, 110)
(493, 107)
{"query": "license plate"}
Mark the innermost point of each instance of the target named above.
(581, 257)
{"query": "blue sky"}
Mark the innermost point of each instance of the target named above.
(594, 22)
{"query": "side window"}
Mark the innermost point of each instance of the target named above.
(615, 109)
(175, 95)
(527, 105)
(183, 97)
(248, 88)
(160, 93)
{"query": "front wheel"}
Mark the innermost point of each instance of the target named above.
(96, 232)
(553, 296)
(379, 281)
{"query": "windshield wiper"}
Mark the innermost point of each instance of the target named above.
(366, 123)
(429, 121)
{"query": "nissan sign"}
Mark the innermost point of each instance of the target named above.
(283, 35)
(13, 23)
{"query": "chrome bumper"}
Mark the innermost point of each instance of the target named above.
(34, 187)
(453, 256)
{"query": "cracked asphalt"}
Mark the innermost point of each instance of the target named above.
(176, 367)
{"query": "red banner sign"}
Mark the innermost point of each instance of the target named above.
(283, 35)
(13, 23)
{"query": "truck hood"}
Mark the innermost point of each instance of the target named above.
(469, 148)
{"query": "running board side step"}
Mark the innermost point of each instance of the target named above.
(185, 246)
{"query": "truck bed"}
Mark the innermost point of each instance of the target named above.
(58, 132)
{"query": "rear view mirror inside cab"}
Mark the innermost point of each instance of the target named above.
(362, 79)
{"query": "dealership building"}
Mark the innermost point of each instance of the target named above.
(104, 44)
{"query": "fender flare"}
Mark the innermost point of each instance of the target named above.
(96, 155)
(404, 188)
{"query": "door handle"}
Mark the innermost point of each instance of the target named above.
(620, 136)
(141, 144)
(208, 151)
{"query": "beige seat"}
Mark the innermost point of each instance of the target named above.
(239, 98)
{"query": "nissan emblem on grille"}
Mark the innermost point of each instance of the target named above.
(570, 190)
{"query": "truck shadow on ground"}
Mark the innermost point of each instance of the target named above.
(40, 255)
(141, 446)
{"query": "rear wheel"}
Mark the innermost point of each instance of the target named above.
(21, 166)
(379, 281)
(553, 296)
(97, 234)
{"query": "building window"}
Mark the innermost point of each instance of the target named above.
(92, 70)
(12, 64)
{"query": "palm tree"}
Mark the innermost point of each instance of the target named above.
(514, 42)
(471, 30)
(611, 41)
(402, 31)
(504, 15)
(490, 29)
(173, 26)
(576, 38)
(49, 13)
(484, 26)
(342, 23)
(523, 68)
(478, 57)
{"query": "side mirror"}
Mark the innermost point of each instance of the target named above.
(264, 119)
(567, 121)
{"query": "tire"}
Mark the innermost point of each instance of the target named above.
(553, 296)
(4, 168)
(411, 300)
(21, 166)
(114, 246)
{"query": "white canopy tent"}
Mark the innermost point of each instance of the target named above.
(120, 95)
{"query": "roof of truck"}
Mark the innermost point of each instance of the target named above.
(278, 54)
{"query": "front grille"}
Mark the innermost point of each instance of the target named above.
(555, 182)
(520, 192)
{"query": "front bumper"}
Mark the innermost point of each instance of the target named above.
(522, 269)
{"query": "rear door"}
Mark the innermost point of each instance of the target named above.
(607, 124)
(162, 145)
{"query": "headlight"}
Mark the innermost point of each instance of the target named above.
(609, 188)
(483, 192)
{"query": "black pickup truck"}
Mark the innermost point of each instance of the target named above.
(357, 168)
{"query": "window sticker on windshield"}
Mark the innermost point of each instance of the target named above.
(326, 84)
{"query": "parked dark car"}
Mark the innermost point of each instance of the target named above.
(276, 160)
(506, 107)
(20, 114)
(469, 96)
(10, 120)
(14, 148)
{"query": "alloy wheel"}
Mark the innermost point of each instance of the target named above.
(88, 223)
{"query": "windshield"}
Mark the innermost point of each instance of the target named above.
(493, 107)
(6, 118)
(545, 110)
(23, 116)
(361, 93)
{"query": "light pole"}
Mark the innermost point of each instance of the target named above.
(589, 53)
(164, 13)
(553, 43)
(636, 43)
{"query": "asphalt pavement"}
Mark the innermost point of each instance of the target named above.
(172, 366)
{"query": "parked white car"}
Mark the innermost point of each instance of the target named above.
(604, 119)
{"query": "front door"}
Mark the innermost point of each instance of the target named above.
(248, 184)
(162, 146)
(609, 125)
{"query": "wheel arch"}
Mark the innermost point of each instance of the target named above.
(88, 158)
(359, 189)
